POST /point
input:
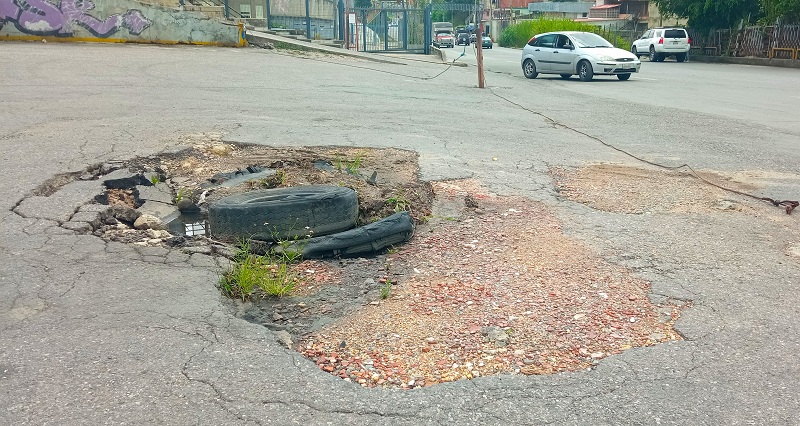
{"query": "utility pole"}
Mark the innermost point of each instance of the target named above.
(479, 46)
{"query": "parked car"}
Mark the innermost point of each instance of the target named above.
(486, 42)
(573, 52)
(443, 40)
(659, 43)
(462, 38)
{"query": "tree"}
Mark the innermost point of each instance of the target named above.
(711, 14)
(783, 11)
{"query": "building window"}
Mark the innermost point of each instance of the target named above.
(244, 10)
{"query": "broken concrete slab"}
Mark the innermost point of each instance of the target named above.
(61, 205)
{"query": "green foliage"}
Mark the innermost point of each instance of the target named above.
(274, 181)
(183, 193)
(783, 11)
(350, 166)
(399, 202)
(271, 274)
(362, 3)
(154, 179)
(708, 15)
(517, 35)
(386, 289)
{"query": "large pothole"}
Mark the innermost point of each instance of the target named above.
(487, 285)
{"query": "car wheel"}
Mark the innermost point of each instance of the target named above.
(585, 71)
(680, 57)
(284, 213)
(623, 77)
(653, 54)
(566, 76)
(634, 51)
(529, 68)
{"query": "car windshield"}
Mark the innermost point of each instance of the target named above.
(442, 34)
(590, 40)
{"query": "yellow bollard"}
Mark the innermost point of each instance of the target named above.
(242, 39)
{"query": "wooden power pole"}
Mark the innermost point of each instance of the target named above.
(479, 46)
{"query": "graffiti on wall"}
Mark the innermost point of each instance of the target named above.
(42, 18)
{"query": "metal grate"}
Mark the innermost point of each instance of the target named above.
(196, 228)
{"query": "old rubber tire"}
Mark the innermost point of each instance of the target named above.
(284, 213)
(585, 71)
(368, 239)
(529, 68)
(680, 57)
(623, 77)
(634, 51)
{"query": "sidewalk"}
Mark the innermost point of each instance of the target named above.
(280, 41)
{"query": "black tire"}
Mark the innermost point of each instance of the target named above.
(529, 69)
(623, 77)
(372, 238)
(585, 70)
(284, 213)
(634, 51)
(565, 76)
(680, 57)
(653, 55)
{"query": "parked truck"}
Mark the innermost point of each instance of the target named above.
(442, 34)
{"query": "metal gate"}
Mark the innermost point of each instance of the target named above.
(385, 29)
(394, 28)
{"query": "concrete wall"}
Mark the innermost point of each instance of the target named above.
(319, 9)
(120, 21)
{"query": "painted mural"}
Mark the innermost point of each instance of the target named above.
(42, 18)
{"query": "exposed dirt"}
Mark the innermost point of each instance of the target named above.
(487, 285)
(624, 189)
(494, 288)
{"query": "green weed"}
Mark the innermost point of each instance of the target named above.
(350, 166)
(386, 289)
(399, 202)
(271, 274)
(274, 181)
(354, 165)
(182, 193)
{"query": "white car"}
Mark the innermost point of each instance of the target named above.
(659, 43)
(573, 52)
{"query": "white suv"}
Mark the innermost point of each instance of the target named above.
(659, 43)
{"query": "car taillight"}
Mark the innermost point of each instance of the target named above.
(688, 41)
(661, 40)
(531, 40)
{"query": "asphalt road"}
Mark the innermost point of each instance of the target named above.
(106, 333)
(745, 93)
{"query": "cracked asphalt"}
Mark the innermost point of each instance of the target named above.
(95, 332)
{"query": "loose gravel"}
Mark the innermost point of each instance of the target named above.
(496, 288)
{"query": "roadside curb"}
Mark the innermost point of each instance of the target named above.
(289, 43)
(782, 63)
(443, 56)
